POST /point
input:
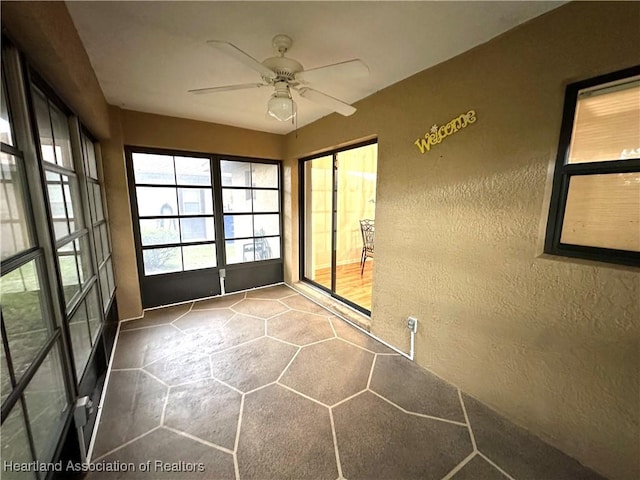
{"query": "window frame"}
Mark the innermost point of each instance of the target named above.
(250, 194)
(14, 72)
(563, 172)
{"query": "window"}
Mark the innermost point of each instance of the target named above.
(33, 393)
(595, 203)
(99, 228)
(175, 209)
(203, 224)
(251, 208)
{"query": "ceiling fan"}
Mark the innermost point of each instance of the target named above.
(285, 74)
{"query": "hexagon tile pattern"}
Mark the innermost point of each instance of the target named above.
(266, 384)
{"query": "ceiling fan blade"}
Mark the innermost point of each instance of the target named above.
(327, 101)
(233, 51)
(349, 69)
(225, 88)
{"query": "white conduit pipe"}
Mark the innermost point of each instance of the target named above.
(409, 355)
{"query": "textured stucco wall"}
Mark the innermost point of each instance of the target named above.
(120, 223)
(552, 344)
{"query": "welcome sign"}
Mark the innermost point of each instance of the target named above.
(438, 133)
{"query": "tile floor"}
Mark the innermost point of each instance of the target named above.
(268, 385)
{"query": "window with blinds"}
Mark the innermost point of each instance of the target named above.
(595, 203)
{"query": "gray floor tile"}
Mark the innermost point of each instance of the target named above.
(238, 330)
(253, 364)
(378, 441)
(204, 319)
(518, 452)
(478, 469)
(133, 405)
(285, 436)
(415, 389)
(305, 305)
(279, 291)
(206, 409)
(259, 307)
(137, 348)
(353, 335)
(329, 371)
(187, 367)
(299, 328)
(219, 302)
(170, 448)
(157, 316)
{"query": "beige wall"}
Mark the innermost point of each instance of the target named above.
(46, 33)
(149, 130)
(552, 344)
(120, 223)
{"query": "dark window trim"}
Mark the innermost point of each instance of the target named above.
(563, 172)
(20, 259)
(170, 185)
(229, 214)
(273, 189)
(251, 238)
(11, 150)
(217, 188)
(181, 244)
(301, 230)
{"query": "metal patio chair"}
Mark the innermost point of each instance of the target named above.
(367, 228)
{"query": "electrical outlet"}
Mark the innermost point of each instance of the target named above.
(412, 324)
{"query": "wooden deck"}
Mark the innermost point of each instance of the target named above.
(349, 283)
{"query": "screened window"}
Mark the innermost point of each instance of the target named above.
(174, 198)
(251, 208)
(595, 205)
(71, 224)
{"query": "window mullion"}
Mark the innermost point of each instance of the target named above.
(594, 168)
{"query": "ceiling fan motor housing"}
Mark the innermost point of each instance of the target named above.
(285, 69)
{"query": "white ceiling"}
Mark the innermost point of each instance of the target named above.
(146, 55)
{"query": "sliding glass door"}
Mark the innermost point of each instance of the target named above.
(339, 193)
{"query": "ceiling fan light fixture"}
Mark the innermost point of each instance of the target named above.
(281, 106)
